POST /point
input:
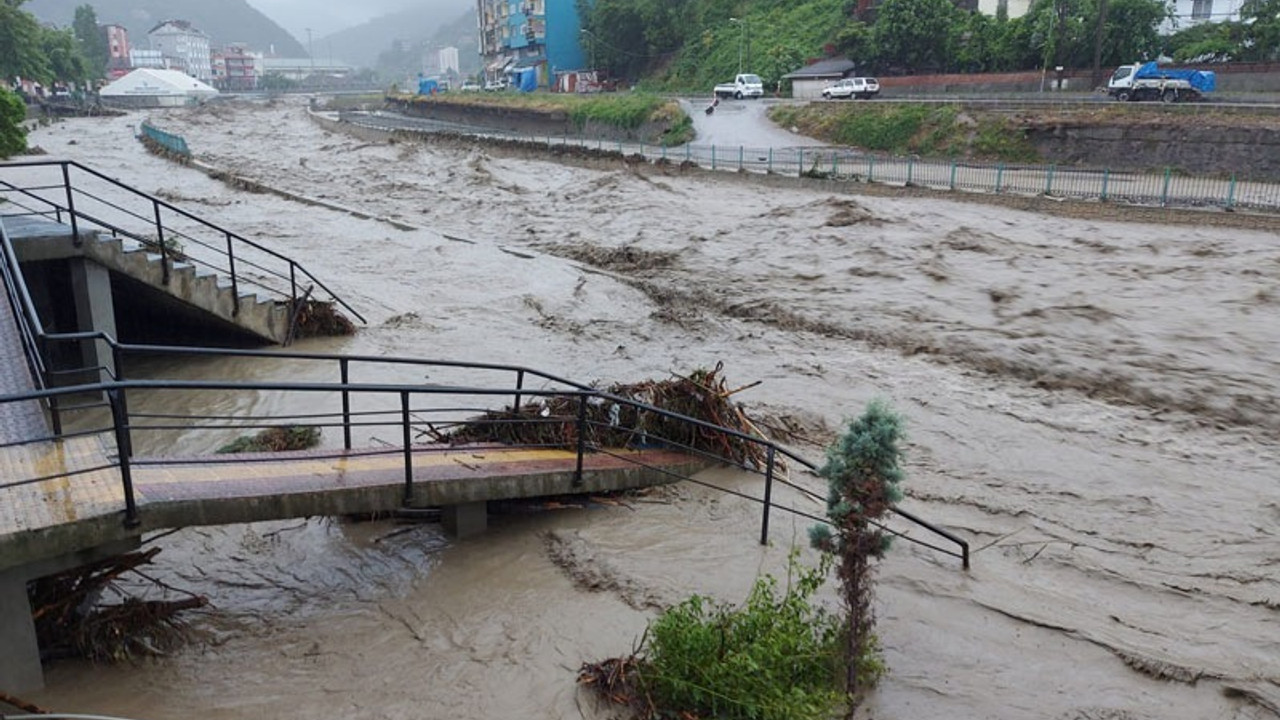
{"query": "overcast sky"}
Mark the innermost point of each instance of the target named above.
(324, 17)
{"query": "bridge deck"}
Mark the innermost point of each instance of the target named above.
(66, 514)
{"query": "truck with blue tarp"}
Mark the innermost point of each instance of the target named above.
(1149, 81)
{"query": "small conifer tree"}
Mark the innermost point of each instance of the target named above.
(863, 469)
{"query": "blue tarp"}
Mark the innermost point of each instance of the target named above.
(525, 79)
(428, 86)
(1204, 81)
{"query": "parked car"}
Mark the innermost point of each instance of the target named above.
(864, 88)
(470, 86)
(492, 85)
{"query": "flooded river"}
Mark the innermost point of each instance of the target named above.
(1093, 404)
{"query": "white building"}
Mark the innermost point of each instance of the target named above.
(1188, 13)
(184, 48)
(448, 60)
(1014, 8)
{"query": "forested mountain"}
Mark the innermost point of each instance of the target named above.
(409, 28)
(224, 21)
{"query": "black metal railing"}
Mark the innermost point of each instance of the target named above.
(367, 407)
(85, 199)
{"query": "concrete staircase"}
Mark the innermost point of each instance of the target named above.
(36, 239)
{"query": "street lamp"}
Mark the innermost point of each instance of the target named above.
(742, 39)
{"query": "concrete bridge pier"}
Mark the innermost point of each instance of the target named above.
(20, 661)
(465, 520)
(95, 312)
(20, 668)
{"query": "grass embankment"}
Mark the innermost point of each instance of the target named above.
(626, 111)
(926, 130)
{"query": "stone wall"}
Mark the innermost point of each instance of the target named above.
(1244, 151)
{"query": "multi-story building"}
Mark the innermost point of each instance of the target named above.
(117, 41)
(236, 69)
(540, 34)
(184, 48)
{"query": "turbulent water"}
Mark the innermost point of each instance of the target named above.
(1092, 404)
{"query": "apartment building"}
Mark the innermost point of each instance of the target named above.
(519, 34)
(184, 48)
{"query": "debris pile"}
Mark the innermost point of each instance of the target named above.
(629, 421)
(75, 618)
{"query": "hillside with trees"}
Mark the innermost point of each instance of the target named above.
(690, 45)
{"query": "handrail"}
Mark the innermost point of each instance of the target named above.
(295, 269)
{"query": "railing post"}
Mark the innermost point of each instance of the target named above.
(1048, 182)
(124, 450)
(741, 156)
(871, 169)
(71, 205)
(770, 159)
(800, 164)
(713, 157)
(164, 250)
(345, 370)
(768, 496)
(999, 177)
(953, 175)
(1106, 179)
(582, 438)
(519, 386)
(408, 450)
(235, 288)
(293, 284)
(911, 165)
(1231, 192)
(1164, 192)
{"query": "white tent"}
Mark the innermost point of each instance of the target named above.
(148, 87)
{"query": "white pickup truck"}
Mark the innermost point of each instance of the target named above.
(745, 85)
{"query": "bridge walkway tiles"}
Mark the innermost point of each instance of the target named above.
(18, 420)
(62, 501)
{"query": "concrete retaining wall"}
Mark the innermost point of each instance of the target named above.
(1246, 152)
(526, 122)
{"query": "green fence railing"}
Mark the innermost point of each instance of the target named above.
(173, 143)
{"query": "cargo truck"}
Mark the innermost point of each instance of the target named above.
(1149, 81)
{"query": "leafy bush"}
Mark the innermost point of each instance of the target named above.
(777, 657)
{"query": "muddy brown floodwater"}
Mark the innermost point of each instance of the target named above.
(1093, 404)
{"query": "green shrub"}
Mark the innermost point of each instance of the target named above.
(778, 657)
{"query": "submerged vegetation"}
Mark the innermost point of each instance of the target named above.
(275, 439)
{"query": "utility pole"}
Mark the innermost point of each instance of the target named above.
(1097, 44)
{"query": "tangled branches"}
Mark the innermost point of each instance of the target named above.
(625, 417)
(72, 619)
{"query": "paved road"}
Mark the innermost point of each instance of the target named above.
(741, 122)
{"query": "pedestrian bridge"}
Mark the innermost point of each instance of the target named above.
(73, 489)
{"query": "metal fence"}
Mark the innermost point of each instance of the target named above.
(1164, 188)
(168, 141)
